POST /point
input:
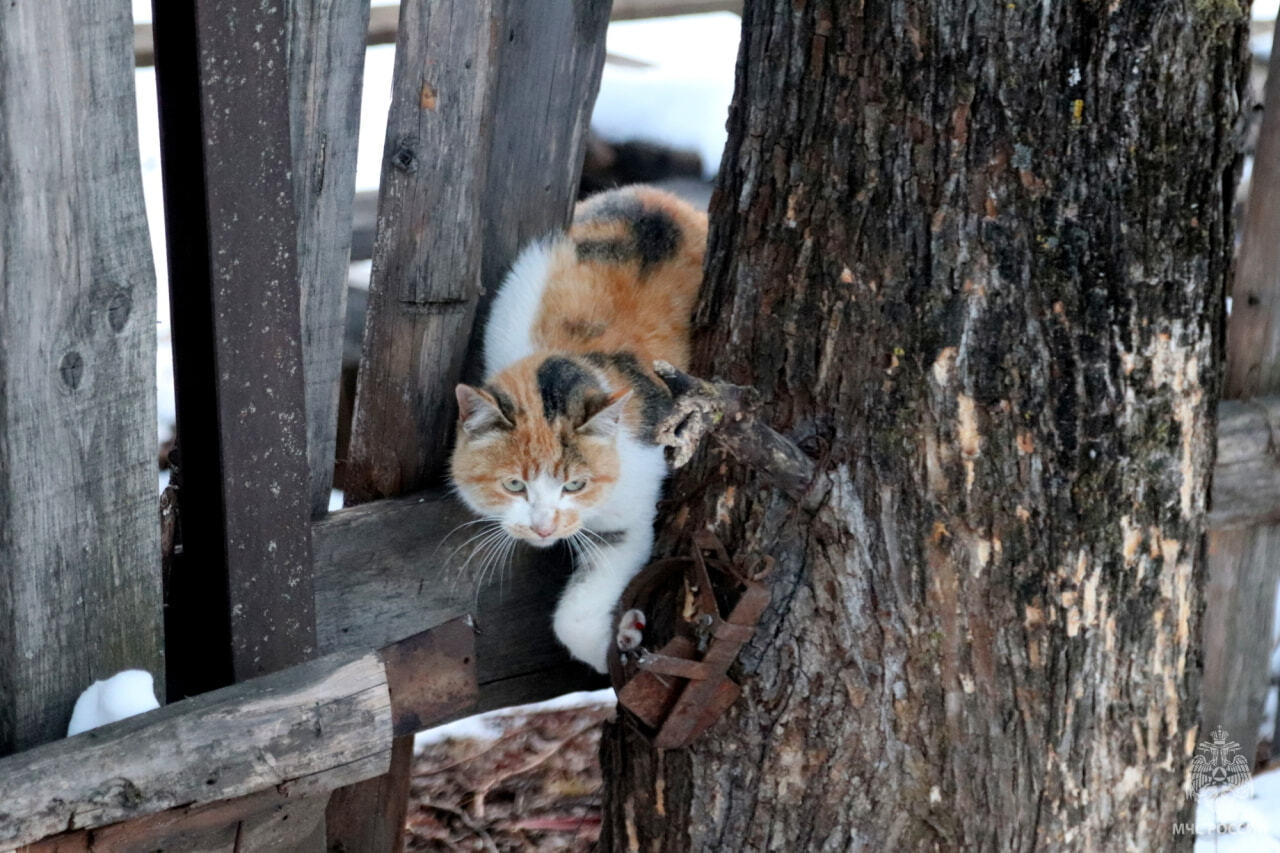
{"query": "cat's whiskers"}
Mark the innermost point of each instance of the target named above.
(492, 521)
(496, 555)
(491, 536)
(457, 575)
(595, 538)
(590, 551)
(575, 553)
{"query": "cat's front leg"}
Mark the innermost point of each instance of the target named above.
(583, 619)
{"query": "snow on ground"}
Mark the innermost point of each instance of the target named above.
(122, 695)
(491, 725)
(681, 99)
(1232, 821)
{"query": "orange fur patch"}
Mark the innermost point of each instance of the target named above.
(624, 280)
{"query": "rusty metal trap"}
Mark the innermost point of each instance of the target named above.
(679, 690)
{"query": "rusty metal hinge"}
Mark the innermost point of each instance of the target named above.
(678, 691)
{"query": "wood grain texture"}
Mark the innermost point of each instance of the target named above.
(309, 728)
(79, 542)
(326, 67)
(551, 61)
(1244, 564)
(1253, 333)
(385, 20)
(370, 816)
(507, 173)
(952, 248)
(426, 257)
(272, 821)
(241, 602)
(1246, 478)
(389, 569)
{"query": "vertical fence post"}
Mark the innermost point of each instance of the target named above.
(1244, 565)
(79, 539)
(326, 66)
(490, 103)
(240, 601)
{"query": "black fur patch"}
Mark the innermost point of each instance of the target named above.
(615, 205)
(506, 405)
(657, 236)
(610, 537)
(567, 389)
(654, 234)
(655, 400)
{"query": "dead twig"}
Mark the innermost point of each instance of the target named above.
(727, 414)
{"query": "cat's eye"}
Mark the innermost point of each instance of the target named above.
(575, 485)
(511, 484)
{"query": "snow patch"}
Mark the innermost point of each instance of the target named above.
(491, 725)
(1227, 821)
(122, 695)
(680, 97)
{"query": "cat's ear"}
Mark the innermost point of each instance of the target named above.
(478, 412)
(603, 421)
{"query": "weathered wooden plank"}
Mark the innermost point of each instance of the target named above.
(1244, 564)
(547, 74)
(265, 822)
(329, 717)
(1246, 478)
(426, 257)
(391, 568)
(370, 816)
(552, 59)
(79, 555)
(326, 67)
(299, 733)
(240, 603)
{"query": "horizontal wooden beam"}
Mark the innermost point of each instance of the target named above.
(384, 19)
(266, 821)
(301, 731)
(389, 569)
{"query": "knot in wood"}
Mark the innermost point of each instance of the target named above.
(405, 158)
(118, 310)
(72, 369)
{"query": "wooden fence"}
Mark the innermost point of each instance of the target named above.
(301, 649)
(321, 642)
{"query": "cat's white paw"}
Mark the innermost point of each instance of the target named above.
(630, 630)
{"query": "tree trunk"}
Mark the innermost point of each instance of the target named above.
(973, 256)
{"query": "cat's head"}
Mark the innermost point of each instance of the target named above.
(537, 447)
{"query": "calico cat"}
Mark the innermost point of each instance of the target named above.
(558, 443)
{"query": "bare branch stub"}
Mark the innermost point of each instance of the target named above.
(728, 414)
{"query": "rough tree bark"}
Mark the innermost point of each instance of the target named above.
(973, 256)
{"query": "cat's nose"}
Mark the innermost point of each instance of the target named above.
(545, 529)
